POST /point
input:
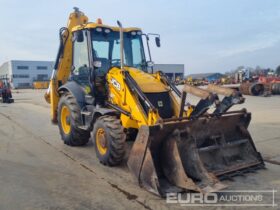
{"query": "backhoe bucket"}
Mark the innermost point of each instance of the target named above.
(178, 156)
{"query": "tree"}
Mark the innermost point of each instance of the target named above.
(277, 71)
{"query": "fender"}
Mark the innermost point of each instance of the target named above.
(89, 121)
(103, 111)
(76, 90)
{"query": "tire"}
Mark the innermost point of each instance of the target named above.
(69, 118)
(4, 96)
(111, 152)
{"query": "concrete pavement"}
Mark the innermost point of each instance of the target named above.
(37, 171)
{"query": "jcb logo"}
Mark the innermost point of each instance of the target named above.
(115, 83)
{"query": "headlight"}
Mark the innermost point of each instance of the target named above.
(107, 30)
(98, 29)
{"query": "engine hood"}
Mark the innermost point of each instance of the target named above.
(147, 82)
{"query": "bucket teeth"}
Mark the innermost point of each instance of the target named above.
(215, 188)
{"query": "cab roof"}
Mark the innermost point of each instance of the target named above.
(96, 25)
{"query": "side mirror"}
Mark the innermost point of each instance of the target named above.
(80, 36)
(157, 39)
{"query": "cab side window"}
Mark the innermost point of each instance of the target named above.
(80, 58)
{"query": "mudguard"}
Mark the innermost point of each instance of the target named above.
(76, 90)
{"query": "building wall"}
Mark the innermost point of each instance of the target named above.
(171, 70)
(23, 73)
(214, 77)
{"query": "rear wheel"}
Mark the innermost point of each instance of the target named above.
(109, 140)
(5, 96)
(68, 121)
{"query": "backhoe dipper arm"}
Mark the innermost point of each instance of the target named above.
(207, 99)
(231, 98)
(63, 63)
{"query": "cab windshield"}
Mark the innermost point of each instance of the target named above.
(106, 49)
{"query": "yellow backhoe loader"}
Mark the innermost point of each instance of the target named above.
(103, 88)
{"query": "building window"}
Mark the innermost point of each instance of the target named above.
(23, 85)
(42, 77)
(170, 76)
(20, 76)
(22, 67)
(42, 68)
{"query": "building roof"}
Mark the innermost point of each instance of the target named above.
(203, 75)
(32, 61)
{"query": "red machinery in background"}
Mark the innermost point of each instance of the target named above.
(266, 85)
(5, 90)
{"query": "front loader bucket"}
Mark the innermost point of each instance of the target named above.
(224, 144)
(177, 156)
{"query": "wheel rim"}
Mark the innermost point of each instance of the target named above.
(65, 119)
(101, 141)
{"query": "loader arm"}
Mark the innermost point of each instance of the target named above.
(63, 63)
(125, 93)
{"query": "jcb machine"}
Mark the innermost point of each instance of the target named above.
(101, 89)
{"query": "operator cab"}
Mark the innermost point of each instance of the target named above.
(106, 49)
(97, 50)
(102, 46)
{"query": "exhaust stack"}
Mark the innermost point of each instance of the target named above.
(121, 43)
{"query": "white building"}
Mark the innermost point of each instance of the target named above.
(23, 73)
(171, 70)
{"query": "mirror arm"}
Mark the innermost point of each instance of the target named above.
(149, 51)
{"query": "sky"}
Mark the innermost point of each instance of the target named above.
(206, 36)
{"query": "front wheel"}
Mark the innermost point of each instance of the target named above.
(69, 116)
(109, 140)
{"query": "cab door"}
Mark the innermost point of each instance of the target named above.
(81, 64)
